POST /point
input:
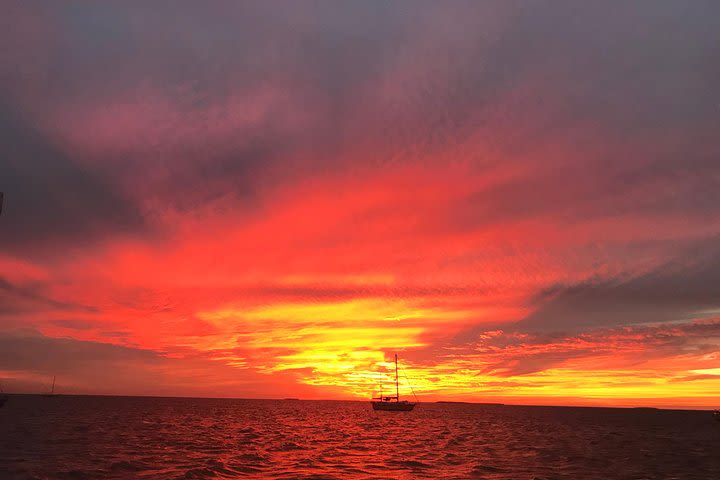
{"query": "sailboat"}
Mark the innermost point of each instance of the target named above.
(51, 393)
(716, 414)
(393, 403)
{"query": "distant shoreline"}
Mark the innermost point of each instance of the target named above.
(437, 402)
(469, 403)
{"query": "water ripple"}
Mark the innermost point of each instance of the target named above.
(146, 438)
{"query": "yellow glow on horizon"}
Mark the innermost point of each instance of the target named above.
(346, 346)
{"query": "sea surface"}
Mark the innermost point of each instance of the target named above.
(73, 437)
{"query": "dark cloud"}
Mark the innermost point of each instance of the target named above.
(529, 363)
(51, 203)
(16, 299)
(681, 290)
(508, 354)
(34, 352)
(80, 366)
(673, 292)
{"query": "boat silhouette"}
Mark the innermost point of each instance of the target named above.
(51, 393)
(392, 403)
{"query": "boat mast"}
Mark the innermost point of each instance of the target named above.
(397, 385)
(53, 386)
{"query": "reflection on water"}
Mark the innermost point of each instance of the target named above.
(124, 438)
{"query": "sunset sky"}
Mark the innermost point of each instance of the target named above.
(270, 199)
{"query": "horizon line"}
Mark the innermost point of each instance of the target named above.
(500, 404)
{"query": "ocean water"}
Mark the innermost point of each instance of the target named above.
(127, 438)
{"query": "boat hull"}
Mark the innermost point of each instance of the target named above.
(393, 406)
(716, 414)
